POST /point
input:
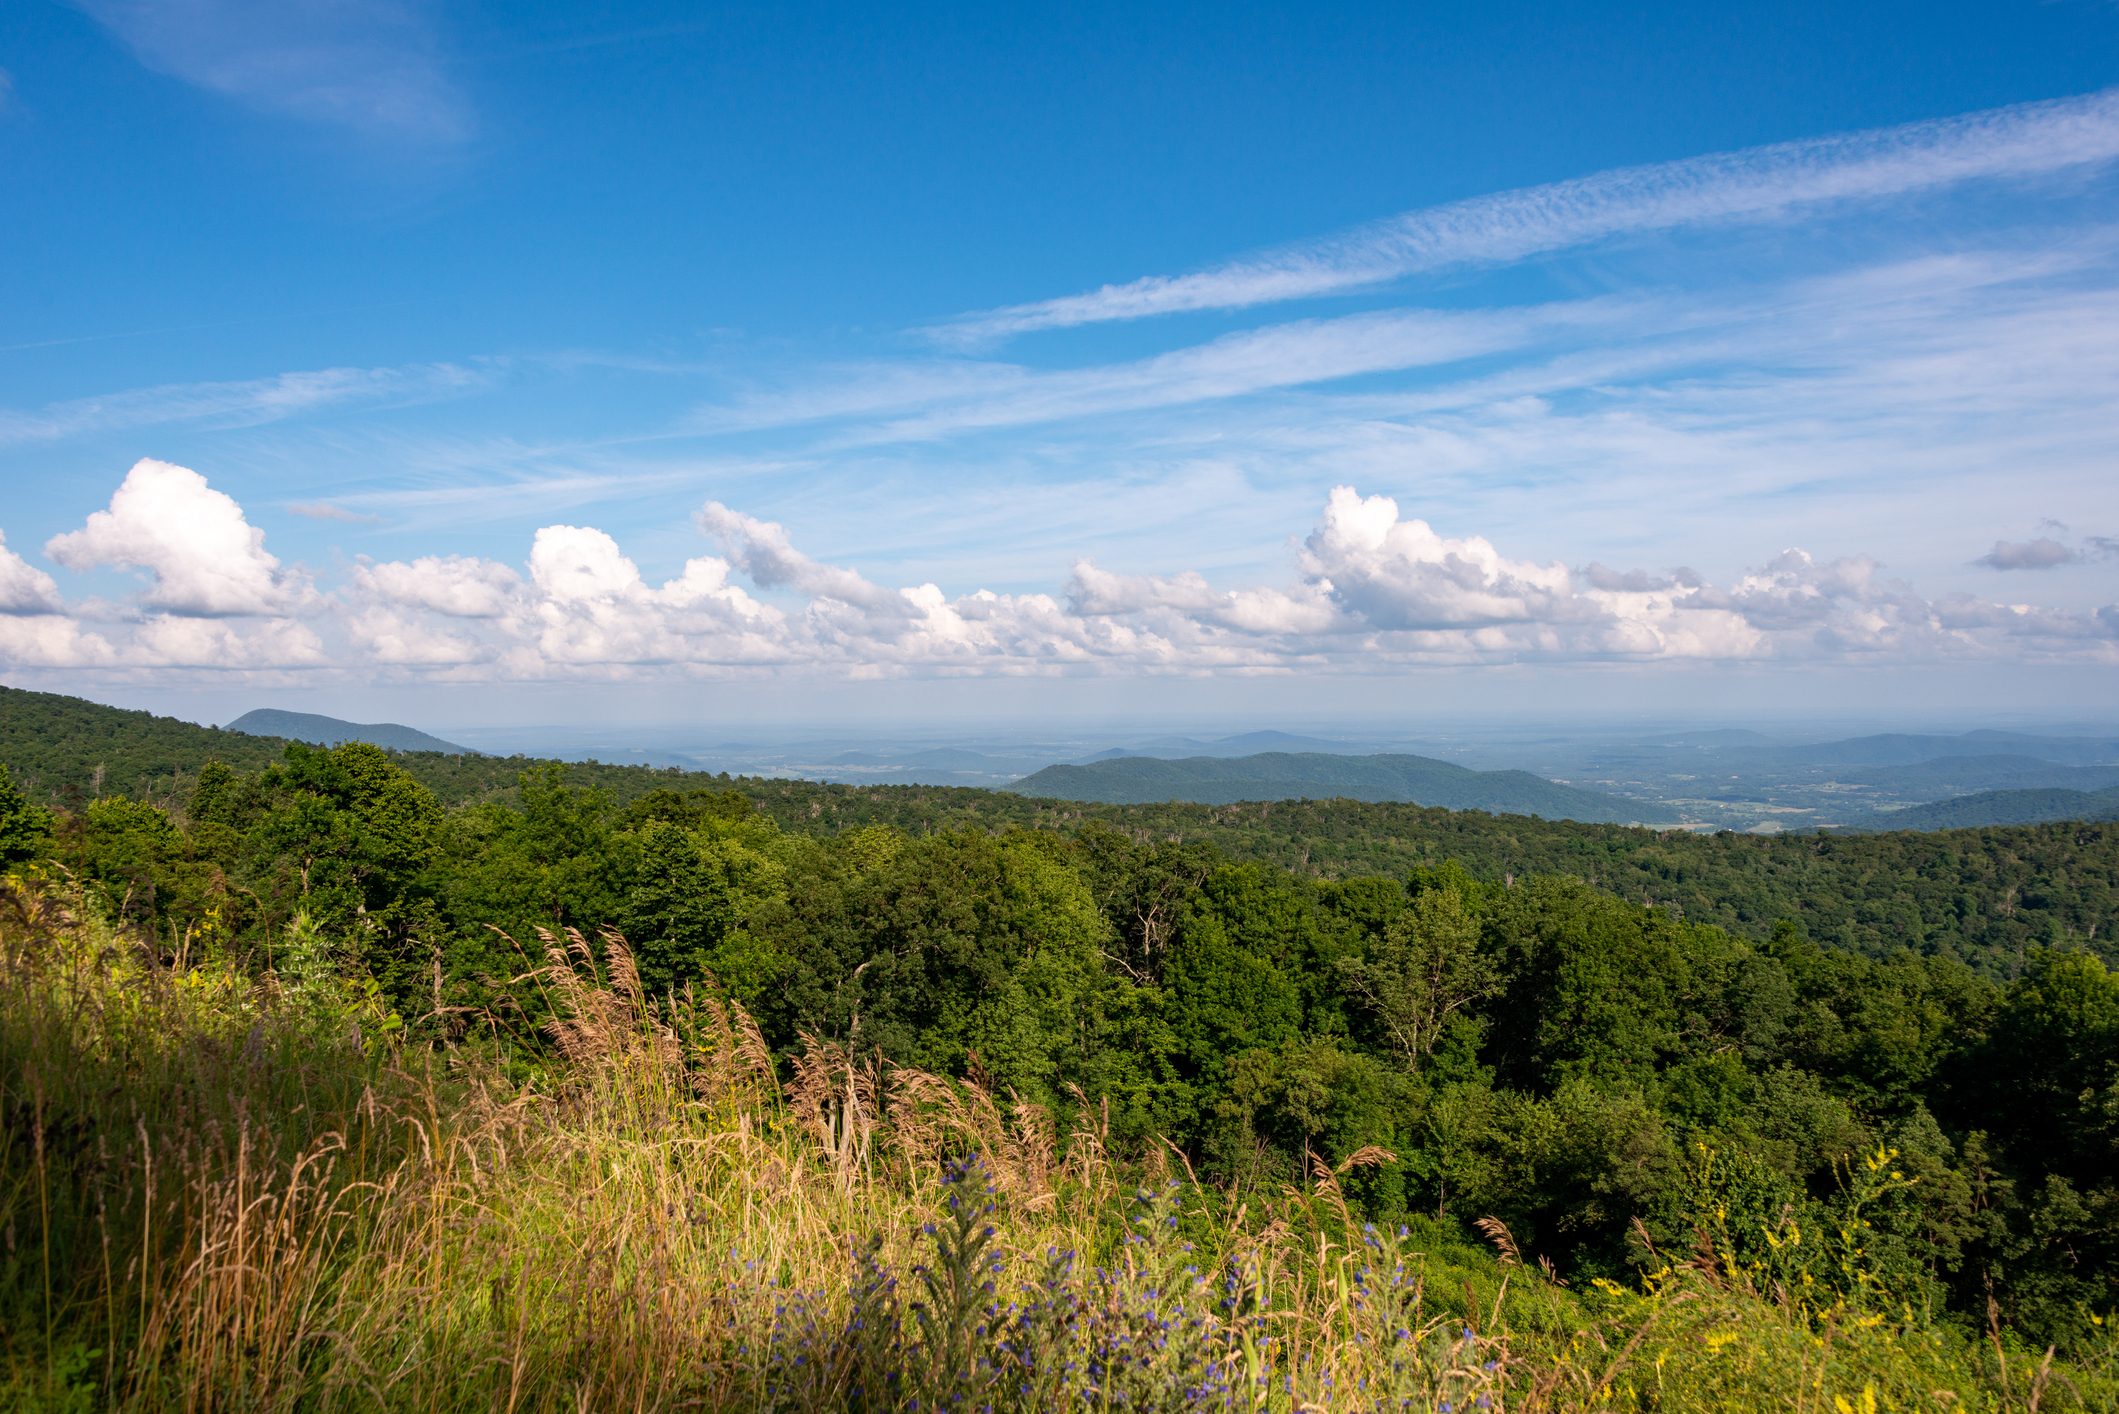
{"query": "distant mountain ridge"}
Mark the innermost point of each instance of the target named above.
(2001, 807)
(331, 731)
(1283, 775)
(1914, 749)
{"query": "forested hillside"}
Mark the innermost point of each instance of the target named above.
(2005, 807)
(65, 749)
(1281, 775)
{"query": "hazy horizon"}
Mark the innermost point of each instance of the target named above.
(1786, 721)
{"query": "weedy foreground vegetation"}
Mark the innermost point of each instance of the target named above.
(235, 1191)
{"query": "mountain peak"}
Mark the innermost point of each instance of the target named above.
(331, 731)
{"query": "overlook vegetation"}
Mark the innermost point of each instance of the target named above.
(1873, 1164)
(241, 1190)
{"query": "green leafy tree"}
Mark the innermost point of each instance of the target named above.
(1426, 975)
(1226, 999)
(691, 891)
(132, 851)
(347, 837)
(25, 828)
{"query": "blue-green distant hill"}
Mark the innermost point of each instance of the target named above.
(1948, 776)
(330, 731)
(2001, 807)
(1303, 775)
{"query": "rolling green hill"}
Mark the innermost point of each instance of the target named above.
(330, 731)
(1277, 775)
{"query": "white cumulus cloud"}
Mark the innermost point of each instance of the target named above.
(175, 641)
(1401, 574)
(1369, 589)
(459, 586)
(24, 589)
(762, 550)
(411, 640)
(204, 557)
(2042, 553)
(51, 641)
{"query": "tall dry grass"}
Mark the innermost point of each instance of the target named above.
(227, 1192)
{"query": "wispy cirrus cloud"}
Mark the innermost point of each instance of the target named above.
(324, 510)
(1993, 343)
(889, 403)
(245, 402)
(373, 68)
(1809, 410)
(1874, 424)
(1756, 184)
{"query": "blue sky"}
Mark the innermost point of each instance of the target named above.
(981, 358)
